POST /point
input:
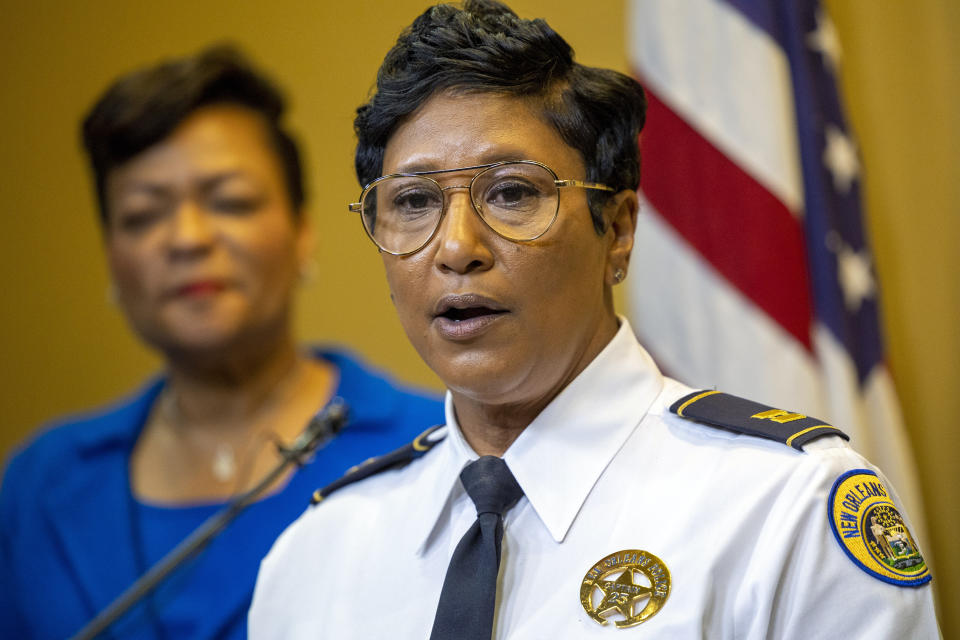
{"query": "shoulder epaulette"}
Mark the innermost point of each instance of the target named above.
(752, 418)
(397, 458)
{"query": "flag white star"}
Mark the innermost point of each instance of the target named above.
(825, 40)
(840, 157)
(854, 273)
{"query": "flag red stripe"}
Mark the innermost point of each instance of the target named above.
(747, 234)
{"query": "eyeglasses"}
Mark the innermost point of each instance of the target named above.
(518, 200)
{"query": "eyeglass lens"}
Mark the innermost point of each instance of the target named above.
(517, 200)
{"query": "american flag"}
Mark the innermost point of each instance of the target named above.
(752, 272)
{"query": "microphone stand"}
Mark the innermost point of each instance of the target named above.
(319, 431)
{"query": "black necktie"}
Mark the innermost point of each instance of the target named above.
(469, 593)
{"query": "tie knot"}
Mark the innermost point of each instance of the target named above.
(490, 484)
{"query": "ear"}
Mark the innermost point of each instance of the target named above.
(623, 224)
(305, 244)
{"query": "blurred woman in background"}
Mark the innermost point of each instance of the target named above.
(202, 210)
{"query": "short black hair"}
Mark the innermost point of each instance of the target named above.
(484, 46)
(143, 107)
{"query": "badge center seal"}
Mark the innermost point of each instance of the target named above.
(632, 582)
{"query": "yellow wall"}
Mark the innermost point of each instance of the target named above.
(64, 347)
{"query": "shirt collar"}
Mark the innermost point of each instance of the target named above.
(442, 487)
(560, 456)
(118, 425)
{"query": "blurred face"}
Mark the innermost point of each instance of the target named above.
(501, 322)
(203, 246)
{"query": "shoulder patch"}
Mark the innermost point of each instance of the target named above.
(872, 532)
(372, 466)
(752, 418)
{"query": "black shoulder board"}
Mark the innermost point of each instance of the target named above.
(752, 418)
(398, 458)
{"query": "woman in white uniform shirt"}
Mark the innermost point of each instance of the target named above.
(501, 191)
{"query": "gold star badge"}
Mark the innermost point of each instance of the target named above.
(601, 593)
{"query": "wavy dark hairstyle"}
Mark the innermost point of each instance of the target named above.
(143, 107)
(485, 47)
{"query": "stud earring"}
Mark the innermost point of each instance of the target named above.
(618, 276)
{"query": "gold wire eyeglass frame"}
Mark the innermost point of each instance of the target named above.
(357, 207)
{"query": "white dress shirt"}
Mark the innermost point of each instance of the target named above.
(740, 523)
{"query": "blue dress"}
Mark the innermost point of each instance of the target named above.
(73, 537)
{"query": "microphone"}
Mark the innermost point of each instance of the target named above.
(322, 428)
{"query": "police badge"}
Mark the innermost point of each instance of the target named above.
(611, 585)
